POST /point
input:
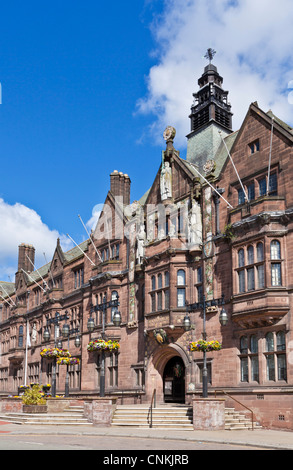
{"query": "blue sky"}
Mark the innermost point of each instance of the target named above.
(89, 87)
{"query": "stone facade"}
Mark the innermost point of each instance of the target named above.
(180, 241)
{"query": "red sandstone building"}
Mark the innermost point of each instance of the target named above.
(218, 223)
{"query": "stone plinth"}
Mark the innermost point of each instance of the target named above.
(208, 414)
(100, 410)
(11, 405)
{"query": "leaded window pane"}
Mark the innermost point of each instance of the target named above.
(250, 279)
(270, 367)
(270, 342)
(276, 274)
(254, 369)
(282, 369)
(275, 250)
(244, 369)
(181, 277)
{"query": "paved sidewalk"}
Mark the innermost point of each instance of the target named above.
(278, 440)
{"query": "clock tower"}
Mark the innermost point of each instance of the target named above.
(210, 113)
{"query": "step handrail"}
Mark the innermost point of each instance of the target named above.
(153, 405)
(237, 401)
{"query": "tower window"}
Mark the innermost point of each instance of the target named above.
(254, 147)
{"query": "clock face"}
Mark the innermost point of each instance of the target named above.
(169, 133)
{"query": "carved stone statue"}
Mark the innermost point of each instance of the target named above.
(34, 333)
(166, 181)
(195, 226)
(141, 236)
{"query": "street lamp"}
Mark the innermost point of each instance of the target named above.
(223, 318)
(77, 341)
(65, 330)
(46, 335)
(186, 322)
(116, 319)
(91, 324)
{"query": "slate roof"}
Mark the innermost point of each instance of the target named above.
(37, 275)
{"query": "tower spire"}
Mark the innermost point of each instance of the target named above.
(211, 101)
(210, 113)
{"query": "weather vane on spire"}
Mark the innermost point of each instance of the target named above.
(210, 54)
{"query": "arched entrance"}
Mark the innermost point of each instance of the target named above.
(174, 381)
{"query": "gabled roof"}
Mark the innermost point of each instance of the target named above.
(279, 125)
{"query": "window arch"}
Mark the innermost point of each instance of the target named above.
(250, 254)
(181, 277)
(181, 290)
(276, 273)
(281, 341)
(260, 252)
(241, 258)
(20, 336)
(253, 344)
(275, 250)
(160, 281)
(269, 342)
(153, 282)
(114, 296)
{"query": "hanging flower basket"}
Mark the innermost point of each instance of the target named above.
(100, 344)
(50, 353)
(202, 345)
(46, 388)
(68, 361)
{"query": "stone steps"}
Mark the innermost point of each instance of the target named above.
(73, 416)
(135, 416)
(163, 417)
(173, 417)
(236, 420)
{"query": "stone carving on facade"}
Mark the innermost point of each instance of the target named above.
(141, 237)
(161, 336)
(195, 227)
(166, 181)
(34, 333)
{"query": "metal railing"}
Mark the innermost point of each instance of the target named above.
(237, 401)
(153, 405)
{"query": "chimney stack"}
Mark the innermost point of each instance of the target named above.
(120, 186)
(26, 251)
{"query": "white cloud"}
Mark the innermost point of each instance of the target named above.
(20, 224)
(96, 212)
(253, 40)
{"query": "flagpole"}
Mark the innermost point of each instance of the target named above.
(26, 351)
(90, 237)
(93, 264)
(241, 184)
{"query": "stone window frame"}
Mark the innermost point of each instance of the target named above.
(254, 147)
(160, 291)
(249, 358)
(113, 368)
(276, 356)
(256, 186)
(181, 288)
(276, 262)
(78, 275)
(250, 267)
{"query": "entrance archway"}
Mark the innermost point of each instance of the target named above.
(174, 381)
